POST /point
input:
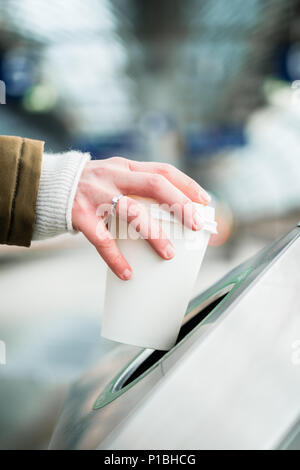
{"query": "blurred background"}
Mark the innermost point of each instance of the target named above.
(210, 86)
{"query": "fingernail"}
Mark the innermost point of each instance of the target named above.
(206, 196)
(169, 252)
(126, 274)
(197, 221)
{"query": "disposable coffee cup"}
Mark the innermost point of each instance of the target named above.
(148, 310)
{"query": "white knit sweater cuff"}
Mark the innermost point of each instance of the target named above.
(58, 183)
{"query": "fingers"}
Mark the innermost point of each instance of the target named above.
(179, 179)
(139, 218)
(159, 188)
(162, 182)
(96, 232)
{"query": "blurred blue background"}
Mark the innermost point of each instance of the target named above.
(210, 86)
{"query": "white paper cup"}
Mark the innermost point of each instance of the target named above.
(148, 309)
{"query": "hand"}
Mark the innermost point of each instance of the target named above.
(104, 179)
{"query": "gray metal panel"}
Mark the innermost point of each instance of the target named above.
(80, 425)
(238, 388)
(215, 379)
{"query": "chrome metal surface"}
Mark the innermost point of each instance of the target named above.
(230, 383)
(130, 369)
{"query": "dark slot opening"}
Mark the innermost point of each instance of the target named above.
(185, 329)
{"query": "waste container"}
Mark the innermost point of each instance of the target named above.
(232, 381)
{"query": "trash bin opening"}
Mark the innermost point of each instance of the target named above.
(193, 319)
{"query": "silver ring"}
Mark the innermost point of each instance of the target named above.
(114, 203)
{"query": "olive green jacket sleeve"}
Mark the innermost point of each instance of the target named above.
(20, 169)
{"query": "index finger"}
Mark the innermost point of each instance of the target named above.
(96, 232)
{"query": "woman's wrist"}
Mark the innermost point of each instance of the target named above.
(57, 188)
